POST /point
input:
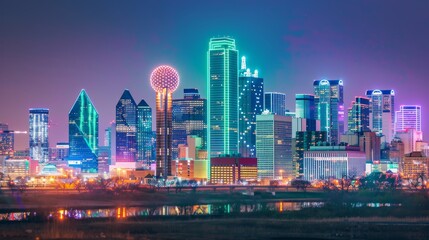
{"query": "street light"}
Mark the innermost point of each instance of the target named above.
(281, 173)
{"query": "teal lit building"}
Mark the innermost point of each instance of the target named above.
(222, 91)
(329, 101)
(144, 133)
(83, 135)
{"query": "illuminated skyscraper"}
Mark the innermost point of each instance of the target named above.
(358, 115)
(222, 90)
(83, 134)
(303, 141)
(382, 113)
(330, 107)
(189, 118)
(164, 80)
(305, 107)
(274, 146)
(126, 128)
(38, 134)
(275, 102)
(144, 132)
(251, 103)
(6, 140)
(409, 117)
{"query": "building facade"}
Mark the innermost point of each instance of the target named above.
(144, 133)
(408, 117)
(414, 165)
(7, 140)
(232, 169)
(222, 92)
(382, 113)
(333, 162)
(126, 128)
(189, 118)
(83, 135)
(251, 103)
(358, 115)
(38, 134)
(275, 103)
(329, 103)
(274, 146)
(303, 141)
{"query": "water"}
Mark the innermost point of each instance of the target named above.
(203, 209)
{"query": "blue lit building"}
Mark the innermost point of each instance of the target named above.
(83, 135)
(126, 128)
(329, 103)
(358, 115)
(275, 102)
(38, 134)
(251, 103)
(382, 113)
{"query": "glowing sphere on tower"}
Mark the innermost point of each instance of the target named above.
(164, 77)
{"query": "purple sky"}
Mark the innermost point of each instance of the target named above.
(49, 50)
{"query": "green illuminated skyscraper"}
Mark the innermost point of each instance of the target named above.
(222, 92)
(83, 134)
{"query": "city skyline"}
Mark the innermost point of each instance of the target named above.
(287, 65)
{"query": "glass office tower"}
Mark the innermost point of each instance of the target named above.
(251, 103)
(126, 128)
(358, 115)
(222, 91)
(275, 102)
(382, 113)
(189, 118)
(329, 103)
(83, 134)
(144, 132)
(38, 134)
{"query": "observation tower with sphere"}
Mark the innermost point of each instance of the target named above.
(164, 80)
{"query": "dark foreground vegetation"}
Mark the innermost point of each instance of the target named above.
(254, 226)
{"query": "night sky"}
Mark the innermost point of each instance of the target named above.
(50, 50)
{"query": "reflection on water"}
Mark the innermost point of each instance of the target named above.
(207, 209)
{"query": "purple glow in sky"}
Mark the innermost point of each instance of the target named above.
(50, 50)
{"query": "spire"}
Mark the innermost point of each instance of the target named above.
(243, 63)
